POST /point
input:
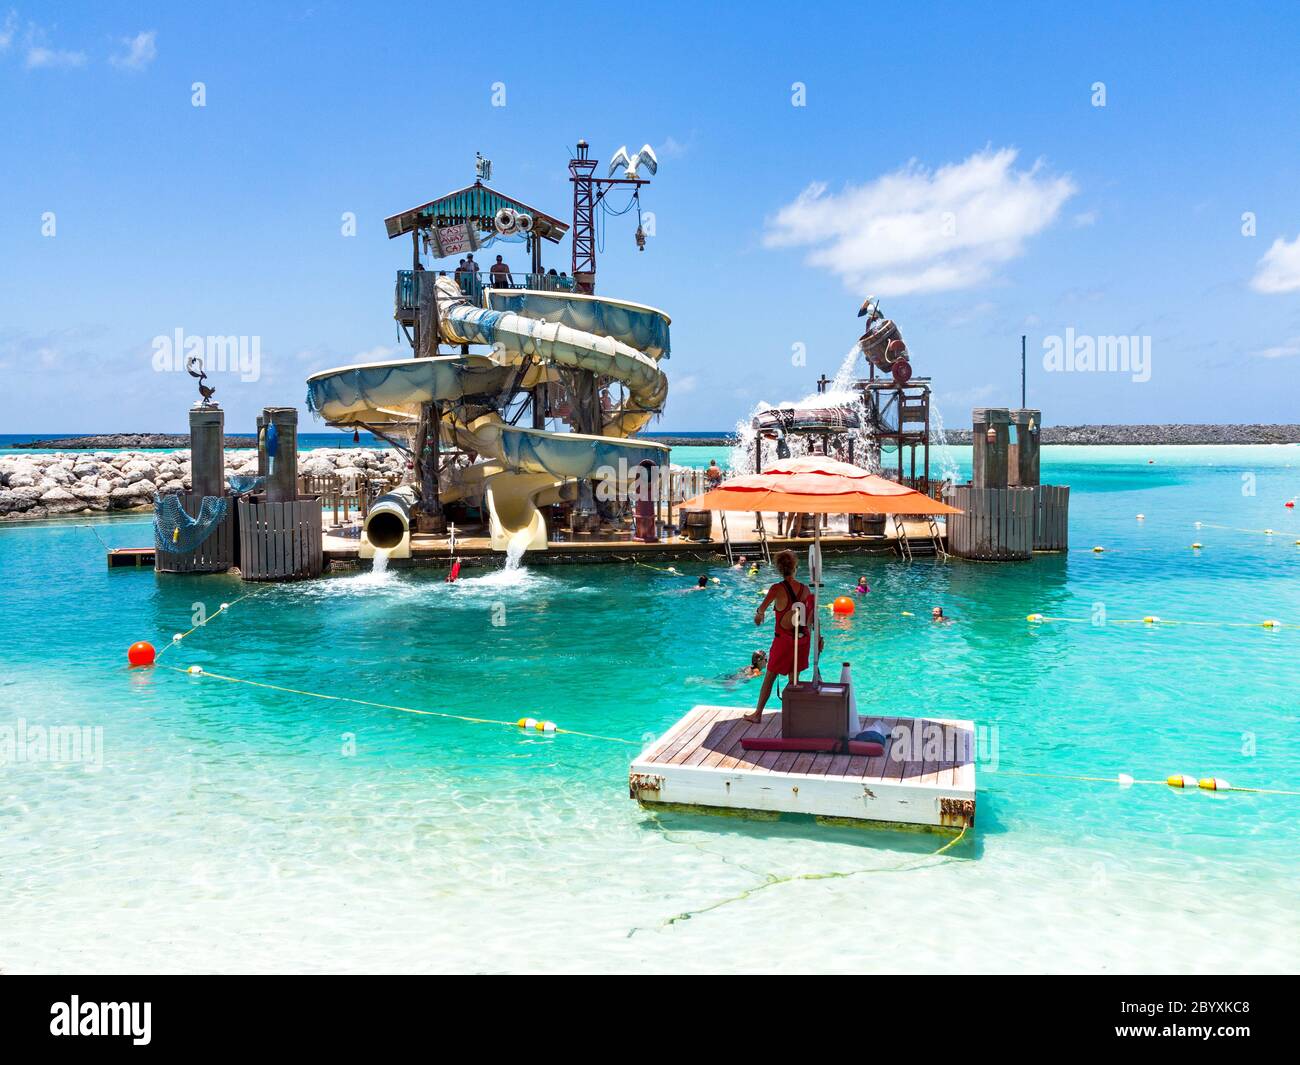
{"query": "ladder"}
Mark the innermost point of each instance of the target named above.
(760, 546)
(901, 542)
(905, 548)
(936, 538)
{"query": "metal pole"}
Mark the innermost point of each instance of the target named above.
(1022, 371)
(814, 575)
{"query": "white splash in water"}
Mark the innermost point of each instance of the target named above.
(515, 550)
(513, 575)
(380, 565)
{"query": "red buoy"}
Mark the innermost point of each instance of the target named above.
(844, 605)
(141, 654)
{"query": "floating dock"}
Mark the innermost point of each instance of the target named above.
(925, 779)
(434, 549)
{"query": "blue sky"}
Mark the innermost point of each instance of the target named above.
(772, 221)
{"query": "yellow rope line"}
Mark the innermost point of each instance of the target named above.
(220, 610)
(671, 569)
(1115, 780)
(1234, 528)
(773, 880)
(1155, 620)
(392, 706)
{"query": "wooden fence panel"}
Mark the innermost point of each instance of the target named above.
(215, 555)
(280, 541)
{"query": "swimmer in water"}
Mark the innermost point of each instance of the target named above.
(703, 582)
(863, 587)
(756, 668)
(937, 615)
(740, 562)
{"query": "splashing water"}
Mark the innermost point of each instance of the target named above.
(840, 392)
(513, 574)
(515, 550)
(380, 565)
(947, 464)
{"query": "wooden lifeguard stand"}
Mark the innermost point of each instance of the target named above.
(207, 478)
(1007, 514)
(279, 533)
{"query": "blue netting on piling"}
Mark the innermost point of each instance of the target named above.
(179, 534)
(242, 484)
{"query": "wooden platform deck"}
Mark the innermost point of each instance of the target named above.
(926, 778)
(426, 549)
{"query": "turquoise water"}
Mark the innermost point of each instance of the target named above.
(235, 827)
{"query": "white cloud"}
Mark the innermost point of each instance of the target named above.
(140, 51)
(38, 57)
(919, 230)
(671, 148)
(1282, 351)
(1084, 219)
(41, 56)
(1279, 270)
(8, 29)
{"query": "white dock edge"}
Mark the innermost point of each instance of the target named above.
(926, 777)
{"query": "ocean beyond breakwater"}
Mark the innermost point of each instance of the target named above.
(48, 486)
(1179, 433)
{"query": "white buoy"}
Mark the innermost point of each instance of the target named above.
(1125, 781)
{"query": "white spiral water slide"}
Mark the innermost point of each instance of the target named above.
(534, 338)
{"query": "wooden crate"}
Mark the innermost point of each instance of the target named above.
(215, 555)
(280, 541)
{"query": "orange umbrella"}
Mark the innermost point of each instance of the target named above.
(814, 484)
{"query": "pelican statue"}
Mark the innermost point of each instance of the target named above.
(194, 367)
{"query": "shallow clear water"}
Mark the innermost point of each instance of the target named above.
(236, 827)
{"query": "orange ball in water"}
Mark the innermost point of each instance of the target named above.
(844, 605)
(141, 654)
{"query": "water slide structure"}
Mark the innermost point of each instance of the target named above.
(585, 362)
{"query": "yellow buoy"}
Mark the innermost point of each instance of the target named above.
(1215, 784)
(546, 726)
(1271, 624)
(1033, 617)
(196, 670)
(1196, 547)
(1182, 780)
(1152, 619)
(1098, 550)
(527, 722)
(1268, 532)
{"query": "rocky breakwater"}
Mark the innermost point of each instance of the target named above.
(77, 483)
